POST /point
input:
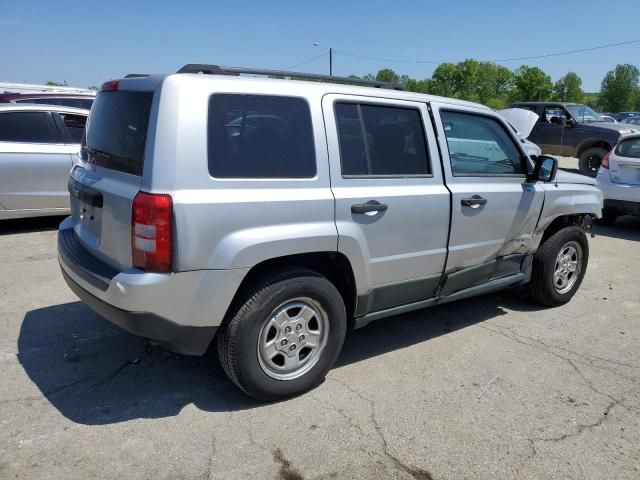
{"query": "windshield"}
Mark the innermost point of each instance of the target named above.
(584, 114)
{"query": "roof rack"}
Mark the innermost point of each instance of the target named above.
(217, 70)
(136, 75)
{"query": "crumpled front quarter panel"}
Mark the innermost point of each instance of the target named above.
(567, 199)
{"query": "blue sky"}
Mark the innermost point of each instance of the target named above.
(86, 43)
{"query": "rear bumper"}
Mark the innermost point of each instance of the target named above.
(612, 191)
(181, 311)
(182, 339)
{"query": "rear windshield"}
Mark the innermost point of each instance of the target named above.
(65, 102)
(629, 148)
(117, 131)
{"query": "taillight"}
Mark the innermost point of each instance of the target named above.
(110, 86)
(605, 160)
(151, 219)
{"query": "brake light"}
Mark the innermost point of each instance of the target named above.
(110, 86)
(605, 160)
(151, 223)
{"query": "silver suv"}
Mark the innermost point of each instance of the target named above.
(273, 214)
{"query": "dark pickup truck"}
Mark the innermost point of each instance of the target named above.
(574, 130)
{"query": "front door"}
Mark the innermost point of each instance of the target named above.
(494, 209)
(392, 208)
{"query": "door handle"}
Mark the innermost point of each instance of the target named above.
(473, 202)
(370, 206)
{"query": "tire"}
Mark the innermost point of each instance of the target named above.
(608, 217)
(250, 351)
(590, 161)
(543, 287)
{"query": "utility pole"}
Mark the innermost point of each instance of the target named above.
(330, 62)
(316, 44)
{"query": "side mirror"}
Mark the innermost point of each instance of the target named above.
(545, 169)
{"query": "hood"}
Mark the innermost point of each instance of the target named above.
(621, 128)
(522, 119)
(567, 177)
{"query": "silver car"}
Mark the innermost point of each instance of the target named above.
(272, 214)
(38, 146)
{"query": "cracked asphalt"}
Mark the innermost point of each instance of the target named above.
(486, 388)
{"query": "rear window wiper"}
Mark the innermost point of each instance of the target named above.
(100, 152)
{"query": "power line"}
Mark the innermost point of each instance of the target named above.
(307, 61)
(555, 54)
(568, 52)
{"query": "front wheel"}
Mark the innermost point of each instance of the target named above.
(559, 267)
(590, 161)
(287, 334)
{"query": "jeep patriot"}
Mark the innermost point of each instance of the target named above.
(269, 215)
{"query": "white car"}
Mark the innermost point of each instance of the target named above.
(619, 179)
(38, 146)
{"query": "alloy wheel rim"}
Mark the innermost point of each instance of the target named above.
(292, 338)
(567, 267)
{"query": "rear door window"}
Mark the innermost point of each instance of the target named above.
(117, 130)
(260, 136)
(74, 125)
(26, 127)
(377, 140)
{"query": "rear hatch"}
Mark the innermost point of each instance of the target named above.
(624, 164)
(104, 185)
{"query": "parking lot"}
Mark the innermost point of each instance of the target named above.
(491, 387)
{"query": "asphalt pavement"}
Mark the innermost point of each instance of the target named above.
(488, 388)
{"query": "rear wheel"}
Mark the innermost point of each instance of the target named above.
(559, 266)
(285, 336)
(590, 161)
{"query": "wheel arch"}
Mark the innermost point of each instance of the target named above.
(334, 266)
(590, 143)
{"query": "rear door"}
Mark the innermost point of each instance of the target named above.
(34, 162)
(104, 184)
(494, 209)
(392, 208)
(624, 164)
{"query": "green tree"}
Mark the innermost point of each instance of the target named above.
(531, 84)
(619, 89)
(569, 89)
(419, 86)
(493, 84)
(93, 87)
(387, 75)
(53, 83)
(444, 80)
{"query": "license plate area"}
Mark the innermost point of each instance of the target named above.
(86, 209)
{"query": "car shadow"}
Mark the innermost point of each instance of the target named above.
(28, 225)
(624, 228)
(95, 373)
